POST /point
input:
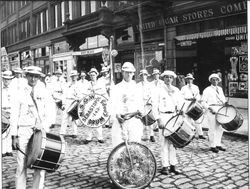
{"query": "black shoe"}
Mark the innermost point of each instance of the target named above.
(3, 155)
(101, 141)
(164, 171)
(221, 148)
(215, 150)
(74, 136)
(173, 170)
(87, 141)
(52, 126)
(156, 130)
(202, 137)
(9, 154)
(152, 138)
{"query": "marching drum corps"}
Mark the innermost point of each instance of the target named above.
(133, 111)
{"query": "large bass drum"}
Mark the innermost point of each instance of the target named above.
(92, 110)
(45, 151)
(179, 131)
(229, 118)
(131, 166)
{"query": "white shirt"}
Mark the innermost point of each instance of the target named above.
(82, 88)
(190, 91)
(145, 89)
(211, 97)
(24, 111)
(98, 88)
(6, 97)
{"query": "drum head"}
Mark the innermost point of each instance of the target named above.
(34, 148)
(226, 114)
(173, 124)
(136, 174)
(92, 110)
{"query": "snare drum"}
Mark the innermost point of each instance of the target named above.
(179, 131)
(229, 118)
(148, 119)
(45, 151)
(73, 110)
(5, 121)
(194, 110)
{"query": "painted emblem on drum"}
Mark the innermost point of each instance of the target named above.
(92, 110)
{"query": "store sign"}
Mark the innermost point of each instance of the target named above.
(186, 43)
(209, 12)
(239, 37)
(88, 52)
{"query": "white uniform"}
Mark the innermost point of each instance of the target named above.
(24, 116)
(97, 88)
(17, 83)
(190, 91)
(82, 88)
(145, 89)
(6, 136)
(106, 82)
(165, 105)
(214, 99)
(69, 96)
(126, 98)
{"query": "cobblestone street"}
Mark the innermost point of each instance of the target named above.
(84, 166)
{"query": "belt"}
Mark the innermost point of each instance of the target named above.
(216, 105)
(167, 112)
(59, 91)
(25, 125)
(70, 98)
(5, 108)
(189, 99)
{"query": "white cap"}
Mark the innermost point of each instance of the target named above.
(189, 76)
(128, 67)
(104, 69)
(93, 70)
(214, 75)
(18, 70)
(33, 70)
(168, 72)
(143, 72)
(156, 71)
(73, 73)
(7, 74)
(59, 71)
(83, 73)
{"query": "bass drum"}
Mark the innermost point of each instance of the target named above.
(45, 151)
(135, 169)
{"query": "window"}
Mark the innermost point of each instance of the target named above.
(41, 22)
(70, 10)
(63, 12)
(4, 38)
(83, 8)
(92, 6)
(56, 17)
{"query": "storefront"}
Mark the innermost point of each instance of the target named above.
(14, 60)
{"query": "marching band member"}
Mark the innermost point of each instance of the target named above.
(167, 103)
(69, 96)
(6, 97)
(96, 87)
(126, 99)
(157, 84)
(30, 110)
(82, 86)
(191, 93)
(213, 99)
(146, 90)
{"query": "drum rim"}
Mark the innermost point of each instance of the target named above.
(124, 144)
(216, 115)
(177, 115)
(78, 112)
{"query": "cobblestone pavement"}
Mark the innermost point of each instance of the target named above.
(84, 166)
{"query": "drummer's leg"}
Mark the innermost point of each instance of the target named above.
(39, 177)
(74, 125)
(219, 133)
(164, 150)
(8, 143)
(172, 154)
(211, 131)
(99, 133)
(64, 124)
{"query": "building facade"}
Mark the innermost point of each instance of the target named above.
(186, 36)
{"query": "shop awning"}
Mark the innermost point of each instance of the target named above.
(215, 33)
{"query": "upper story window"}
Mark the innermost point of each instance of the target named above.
(41, 22)
(83, 8)
(92, 6)
(70, 10)
(24, 28)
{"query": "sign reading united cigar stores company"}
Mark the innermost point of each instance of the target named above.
(229, 8)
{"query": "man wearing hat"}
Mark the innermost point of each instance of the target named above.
(191, 93)
(18, 81)
(167, 103)
(68, 98)
(106, 78)
(82, 86)
(146, 90)
(126, 100)
(157, 84)
(213, 99)
(6, 97)
(95, 87)
(30, 110)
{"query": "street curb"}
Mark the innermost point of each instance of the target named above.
(231, 134)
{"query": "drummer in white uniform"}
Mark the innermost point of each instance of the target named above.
(146, 90)
(213, 99)
(69, 96)
(95, 87)
(191, 93)
(167, 103)
(126, 99)
(30, 110)
(82, 86)
(6, 97)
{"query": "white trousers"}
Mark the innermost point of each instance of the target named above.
(148, 131)
(215, 130)
(6, 142)
(98, 132)
(168, 151)
(132, 129)
(24, 134)
(198, 127)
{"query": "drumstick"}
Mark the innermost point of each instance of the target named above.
(223, 114)
(18, 148)
(178, 114)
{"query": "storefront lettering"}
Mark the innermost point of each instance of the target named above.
(147, 25)
(197, 15)
(233, 8)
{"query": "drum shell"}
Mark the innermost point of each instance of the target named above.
(194, 110)
(45, 151)
(183, 133)
(73, 110)
(236, 121)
